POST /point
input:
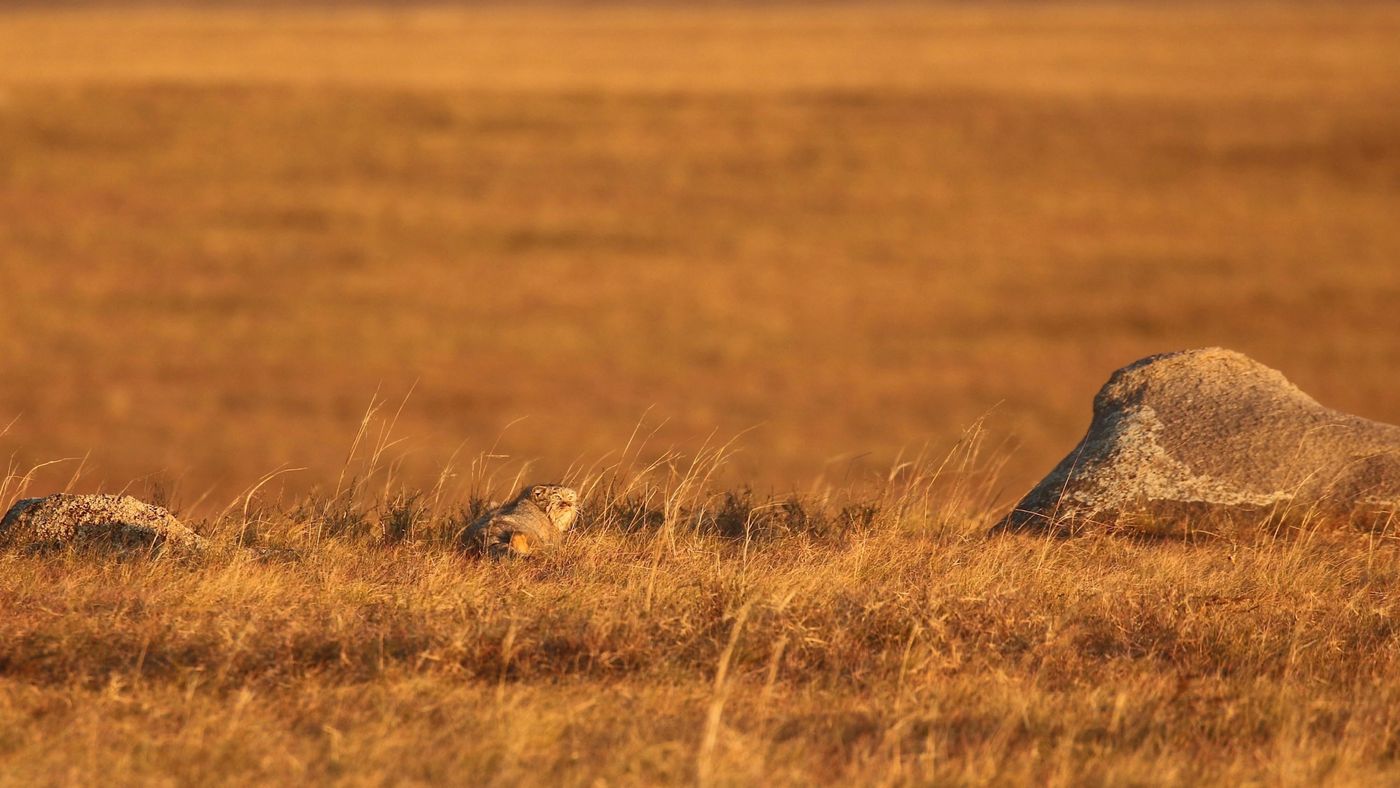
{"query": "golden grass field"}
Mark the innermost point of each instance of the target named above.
(850, 235)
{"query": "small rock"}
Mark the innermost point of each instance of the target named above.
(114, 519)
(1182, 436)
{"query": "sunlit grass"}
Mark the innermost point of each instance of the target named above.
(213, 256)
(688, 633)
(843, 234)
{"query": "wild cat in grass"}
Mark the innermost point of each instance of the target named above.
(535, 520)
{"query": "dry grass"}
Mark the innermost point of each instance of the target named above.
(223, 230)
(686, 635)
(861, 228)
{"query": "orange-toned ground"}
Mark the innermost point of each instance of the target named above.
(858, 229)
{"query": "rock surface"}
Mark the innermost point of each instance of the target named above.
(114, 519)
(1186, 435)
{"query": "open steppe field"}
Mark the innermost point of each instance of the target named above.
(854, 229)
(894, 249)
(688, 636)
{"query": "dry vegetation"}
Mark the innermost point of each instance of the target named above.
(685, 635)
(862, 227)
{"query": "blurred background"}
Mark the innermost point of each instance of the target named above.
(857, 229)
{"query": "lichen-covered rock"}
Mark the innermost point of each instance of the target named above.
(1179, 436)
(111, 519)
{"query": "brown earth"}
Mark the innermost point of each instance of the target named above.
(862, 228)
(855, 229)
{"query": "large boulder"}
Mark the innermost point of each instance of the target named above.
(110, 519)
(1181, 437)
